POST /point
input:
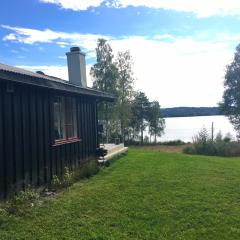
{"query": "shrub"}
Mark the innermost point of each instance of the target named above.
(189, 150)
(22, 201)
(167, 143)
(202, 144)
(173, 143)
(3, 215)
(87, 170)
(67, 178)
(55, 183)
(107, 163)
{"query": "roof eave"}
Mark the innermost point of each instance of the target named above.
(54, 85)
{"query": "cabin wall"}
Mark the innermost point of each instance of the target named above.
(27, 154)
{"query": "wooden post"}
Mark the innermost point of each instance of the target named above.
(212, 132)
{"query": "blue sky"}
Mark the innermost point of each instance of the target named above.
(180, 48)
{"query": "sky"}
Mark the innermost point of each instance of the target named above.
(180, 48)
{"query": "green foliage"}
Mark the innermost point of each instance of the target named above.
(104, 72)
(22, 202)
(173, 143)
(156, 122)
(3, 215)
(67, 178)
(203, 144)
(145, 115)
(107, 163)
(189, 150)
(125, 91)
(145, 195)
(88, 169)
(56, 183)
(140, 109)
(230, 104)
(148, 143)
(130, 115)
(105, 75)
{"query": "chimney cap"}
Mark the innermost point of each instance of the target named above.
(75, 49)
(40, 72)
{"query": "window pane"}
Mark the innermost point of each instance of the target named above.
(70, 133)
(58, 108)
(71, 118)
(62, 118)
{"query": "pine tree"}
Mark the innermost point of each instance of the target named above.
(156, 122)
(140, 108)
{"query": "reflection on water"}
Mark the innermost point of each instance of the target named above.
(184, 128)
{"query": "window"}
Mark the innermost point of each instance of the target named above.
(65, 119)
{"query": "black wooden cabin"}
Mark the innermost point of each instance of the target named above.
(45, 124)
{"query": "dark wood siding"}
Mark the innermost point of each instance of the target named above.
(27, 154)
(2, 147)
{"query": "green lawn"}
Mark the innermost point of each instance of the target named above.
(144, 195)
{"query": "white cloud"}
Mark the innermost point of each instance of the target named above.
(62, 57)
(14, 51)
(185, 71)
(21, 57)
(24, 49)
(202, 8)
(76, 5)
(31, 36)
(10, 37)
(55, 70)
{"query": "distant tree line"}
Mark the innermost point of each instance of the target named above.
(132, 115)
(190, 111)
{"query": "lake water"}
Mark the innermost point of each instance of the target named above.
(184, 128)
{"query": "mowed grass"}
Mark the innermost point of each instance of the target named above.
(144, 195)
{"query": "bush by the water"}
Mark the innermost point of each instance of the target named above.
(147, 143)
(219, 146)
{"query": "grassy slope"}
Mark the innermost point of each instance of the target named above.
(145, 195)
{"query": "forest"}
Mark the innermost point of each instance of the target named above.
(190, 111)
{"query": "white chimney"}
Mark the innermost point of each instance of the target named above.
(77, 67)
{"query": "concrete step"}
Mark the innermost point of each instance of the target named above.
(116, 153)
(114, 150)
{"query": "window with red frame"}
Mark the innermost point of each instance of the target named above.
(65, 118)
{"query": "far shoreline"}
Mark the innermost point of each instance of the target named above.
(194, 116)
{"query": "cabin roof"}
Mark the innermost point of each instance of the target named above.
(23, 76)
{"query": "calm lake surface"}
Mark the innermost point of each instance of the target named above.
(184, 128)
